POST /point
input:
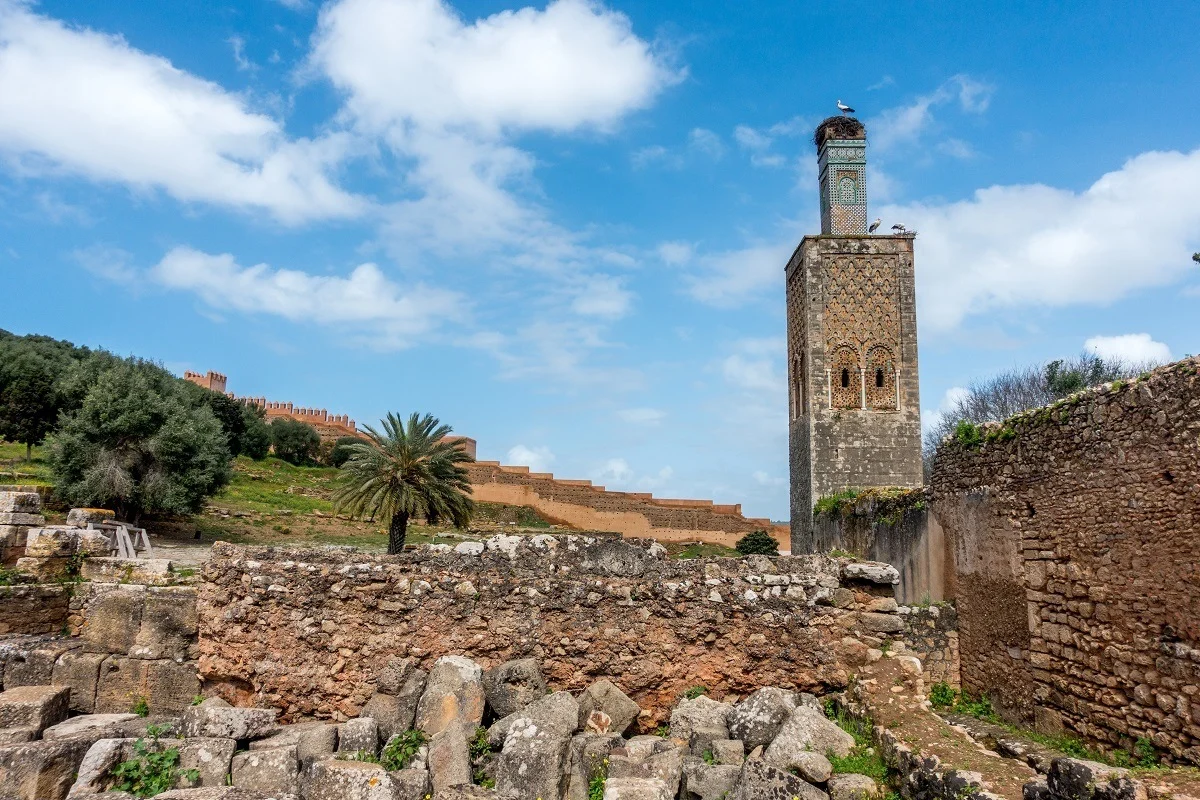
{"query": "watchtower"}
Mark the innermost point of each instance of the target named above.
(855, 418)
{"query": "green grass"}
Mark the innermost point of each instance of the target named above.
(273, 485)
(704, 550)
(863, 758)
(15, 469)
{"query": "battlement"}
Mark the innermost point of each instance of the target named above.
(213, 381)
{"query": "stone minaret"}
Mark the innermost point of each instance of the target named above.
(855, 418)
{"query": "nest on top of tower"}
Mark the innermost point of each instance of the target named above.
(838, 127)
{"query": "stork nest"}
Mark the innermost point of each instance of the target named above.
(838, 127)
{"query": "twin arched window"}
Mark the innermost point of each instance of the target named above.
(851, 378)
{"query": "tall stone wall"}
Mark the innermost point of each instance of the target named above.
(308, 631)
(1075, 530)
(635, 514)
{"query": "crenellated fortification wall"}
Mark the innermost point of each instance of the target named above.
(1075, 532)
(583, 505)
(308, 630)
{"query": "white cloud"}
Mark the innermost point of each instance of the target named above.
(538, 459)
(755, 366)
(706, 142)
(365, 301)
(882, 83)
(931, 418)
(110, 263)
(733, 277)
(903, 124)
(615, 473)
(654, 154)
(603, 296)
(758, 143)
(239, 54)
(642, 416)
(82, 102)
(751, 139)
(1130, 348)
(675, 253)
(763, 478)
(573, 64)
(1034, 245)
(957, 148)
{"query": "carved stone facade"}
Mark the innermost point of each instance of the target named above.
(852, 352)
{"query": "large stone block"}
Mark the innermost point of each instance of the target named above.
(349, 780)
(20, 503)
(390, 713)
(99, 758)
(210, 757)
(449, 760)
(34, 521)
(531, 765)
(40, 770)
(271, 772)
(32, 664)
(636, 789)
(808, 730)
(586, 758)
(169, 624)
(453, 696)
(699, 722)
(216, 718)
(166, 686)
(761, 781)
(604, 696)
(80, 672)
(82, 517)
(359, 736)
(36, 707)
(708, 781)
(113, 620)
(92, 727)
(557, 713)
(757, 719)
(513, 685)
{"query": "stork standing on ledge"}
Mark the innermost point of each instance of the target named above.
(898, 228)
(845, 109)
(875, 225)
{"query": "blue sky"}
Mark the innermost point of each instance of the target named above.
(562, 228)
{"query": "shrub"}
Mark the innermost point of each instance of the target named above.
(341, 451)
(153, 769)
(294, 441)
(942, 695)
(402, 748)
(757, 543)
(967, 433)
(694, 692)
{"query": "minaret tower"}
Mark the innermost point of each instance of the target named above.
(855, 418)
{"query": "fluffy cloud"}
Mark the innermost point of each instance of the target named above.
(364, 301)
(754, 366)
(904, 124)
(733, 277)
(1034, 245)
(1130, 348)
(86, 103)
(538, 459)
(573, 64)
(602, 296)
(617, 474)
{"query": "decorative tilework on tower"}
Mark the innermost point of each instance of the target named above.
(842, 163)
(852, 343)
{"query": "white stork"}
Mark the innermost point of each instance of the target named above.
(874, 225)
(898, 228)
(845, 109)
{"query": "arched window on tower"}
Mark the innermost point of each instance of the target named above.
(845, 375)
(798, 384)
(881, 385)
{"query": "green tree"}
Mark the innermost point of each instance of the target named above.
(294, 441)
(757, 543)
(342, 450)
(404, 472)
(29, 400)
(136, 445)
(256, 436)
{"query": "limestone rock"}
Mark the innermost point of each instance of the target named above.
(286, 735)
(212, 758)
(349, 780)
(40, 770)
(881, 623)
(586, 757)
(359, 735)
(556, 713)
(636, 789)
(36, 707)
(729, 751)
(166, 685)
(214, 718)
(169, 625)
(100, 757)
(80, 517)
(17, 735)
(268, 771)
(813, 767)
(760, 781)
(465, 791)
(1075, 777)
(708, 781)
(449, 759)
(114, 620)
(699, 722)
(872, 572)
(757, 719)
(92, 727)
(604, 696)
(531, 765)
(513, 685)
(215, 793)
(411, 784)
(315, 744)
(453, 696)
(807, 729)
(390, 713)
(852, 787)
(401, 678)
(649, 757)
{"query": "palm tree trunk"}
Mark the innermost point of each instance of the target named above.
(29, 451)
(397, 533)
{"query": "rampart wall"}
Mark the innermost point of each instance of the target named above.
(633, 514)
(308, 631)
(1075, 531)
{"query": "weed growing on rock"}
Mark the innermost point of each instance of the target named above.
(479, 751)
(141, 706)
(942, 695)
(708, 757)
(153, 769)
(402, 749)
(967, 434)
(597, 779)
(358, 755)
(663, 731)
(694, 692)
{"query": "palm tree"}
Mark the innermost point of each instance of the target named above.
(404, 472)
